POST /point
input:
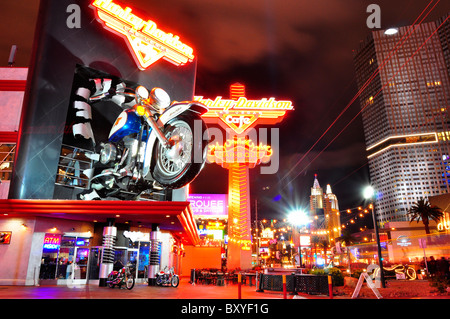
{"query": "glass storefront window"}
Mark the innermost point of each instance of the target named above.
(65, 262)
(72, 258)
(48, 265)
(64, 257)
(94, 263)
(120, 258)
(81, 262)
(144, 251)
(50, 253)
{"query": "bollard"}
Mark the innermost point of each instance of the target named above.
(284, 287)
(259, 282)
(330, 287)
(239, 286)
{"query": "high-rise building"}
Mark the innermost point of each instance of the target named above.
(405, 114)
(324, 209)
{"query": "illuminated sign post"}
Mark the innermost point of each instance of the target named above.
(241, 113)
(146, 41)
(238, 154)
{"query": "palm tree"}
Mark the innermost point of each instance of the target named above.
(348, 239)
(423, 210)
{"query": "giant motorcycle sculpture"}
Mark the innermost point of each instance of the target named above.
(151, 144)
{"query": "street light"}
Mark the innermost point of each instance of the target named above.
(369, 192)
(299, 218)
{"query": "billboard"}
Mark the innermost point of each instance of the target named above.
(209, 205)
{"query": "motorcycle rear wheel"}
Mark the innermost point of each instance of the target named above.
(179, 165)
(175, 281)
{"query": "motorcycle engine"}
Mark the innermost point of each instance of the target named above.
(108, 153)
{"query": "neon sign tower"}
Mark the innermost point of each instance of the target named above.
(238, 155)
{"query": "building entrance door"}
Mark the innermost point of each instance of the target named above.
(75, 271)
(80, 272)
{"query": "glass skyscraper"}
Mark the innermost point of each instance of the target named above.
(405, 114)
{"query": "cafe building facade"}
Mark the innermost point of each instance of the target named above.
(48, 235)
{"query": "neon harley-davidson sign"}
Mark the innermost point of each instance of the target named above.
(146, 41)
(242, 113)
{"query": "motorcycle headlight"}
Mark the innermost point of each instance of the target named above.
(159, 99)
(108, 153)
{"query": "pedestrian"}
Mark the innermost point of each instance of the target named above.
(423, 263)
(447, 270)
(441, 267)
(432, 266)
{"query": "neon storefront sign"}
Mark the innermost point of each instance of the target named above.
(242, 113)
(444, 225)
(209, 205)
(145, 40)
(52, 242)
(239, 150)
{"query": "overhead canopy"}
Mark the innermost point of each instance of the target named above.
(172, 216)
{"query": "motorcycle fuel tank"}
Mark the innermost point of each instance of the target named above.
(127, 123)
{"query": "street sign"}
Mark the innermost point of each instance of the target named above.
(422, 243)
(370, 284)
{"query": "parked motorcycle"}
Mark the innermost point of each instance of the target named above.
(150, 146)
(167, 277)
(121, 277)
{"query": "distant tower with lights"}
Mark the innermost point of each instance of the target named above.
(332, 215)
(324, 209)
(316, 198)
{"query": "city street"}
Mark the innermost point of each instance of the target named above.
(191, 300)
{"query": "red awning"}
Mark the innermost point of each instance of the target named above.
(175, 217)
(13, 85)
(8, 137)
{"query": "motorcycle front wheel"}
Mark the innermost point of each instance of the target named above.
(129, 282)
(178, 165)
(110, 280)
(175, 281)
(159, 280)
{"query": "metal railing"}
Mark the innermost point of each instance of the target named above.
(7, 152)
(74, 167)
(310, 284)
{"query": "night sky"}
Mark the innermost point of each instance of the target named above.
(290, 49)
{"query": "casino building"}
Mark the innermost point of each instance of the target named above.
(48, 138)
(324, 210)
(47, 235)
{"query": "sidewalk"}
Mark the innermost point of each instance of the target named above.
(143, 291)
(394, 290)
